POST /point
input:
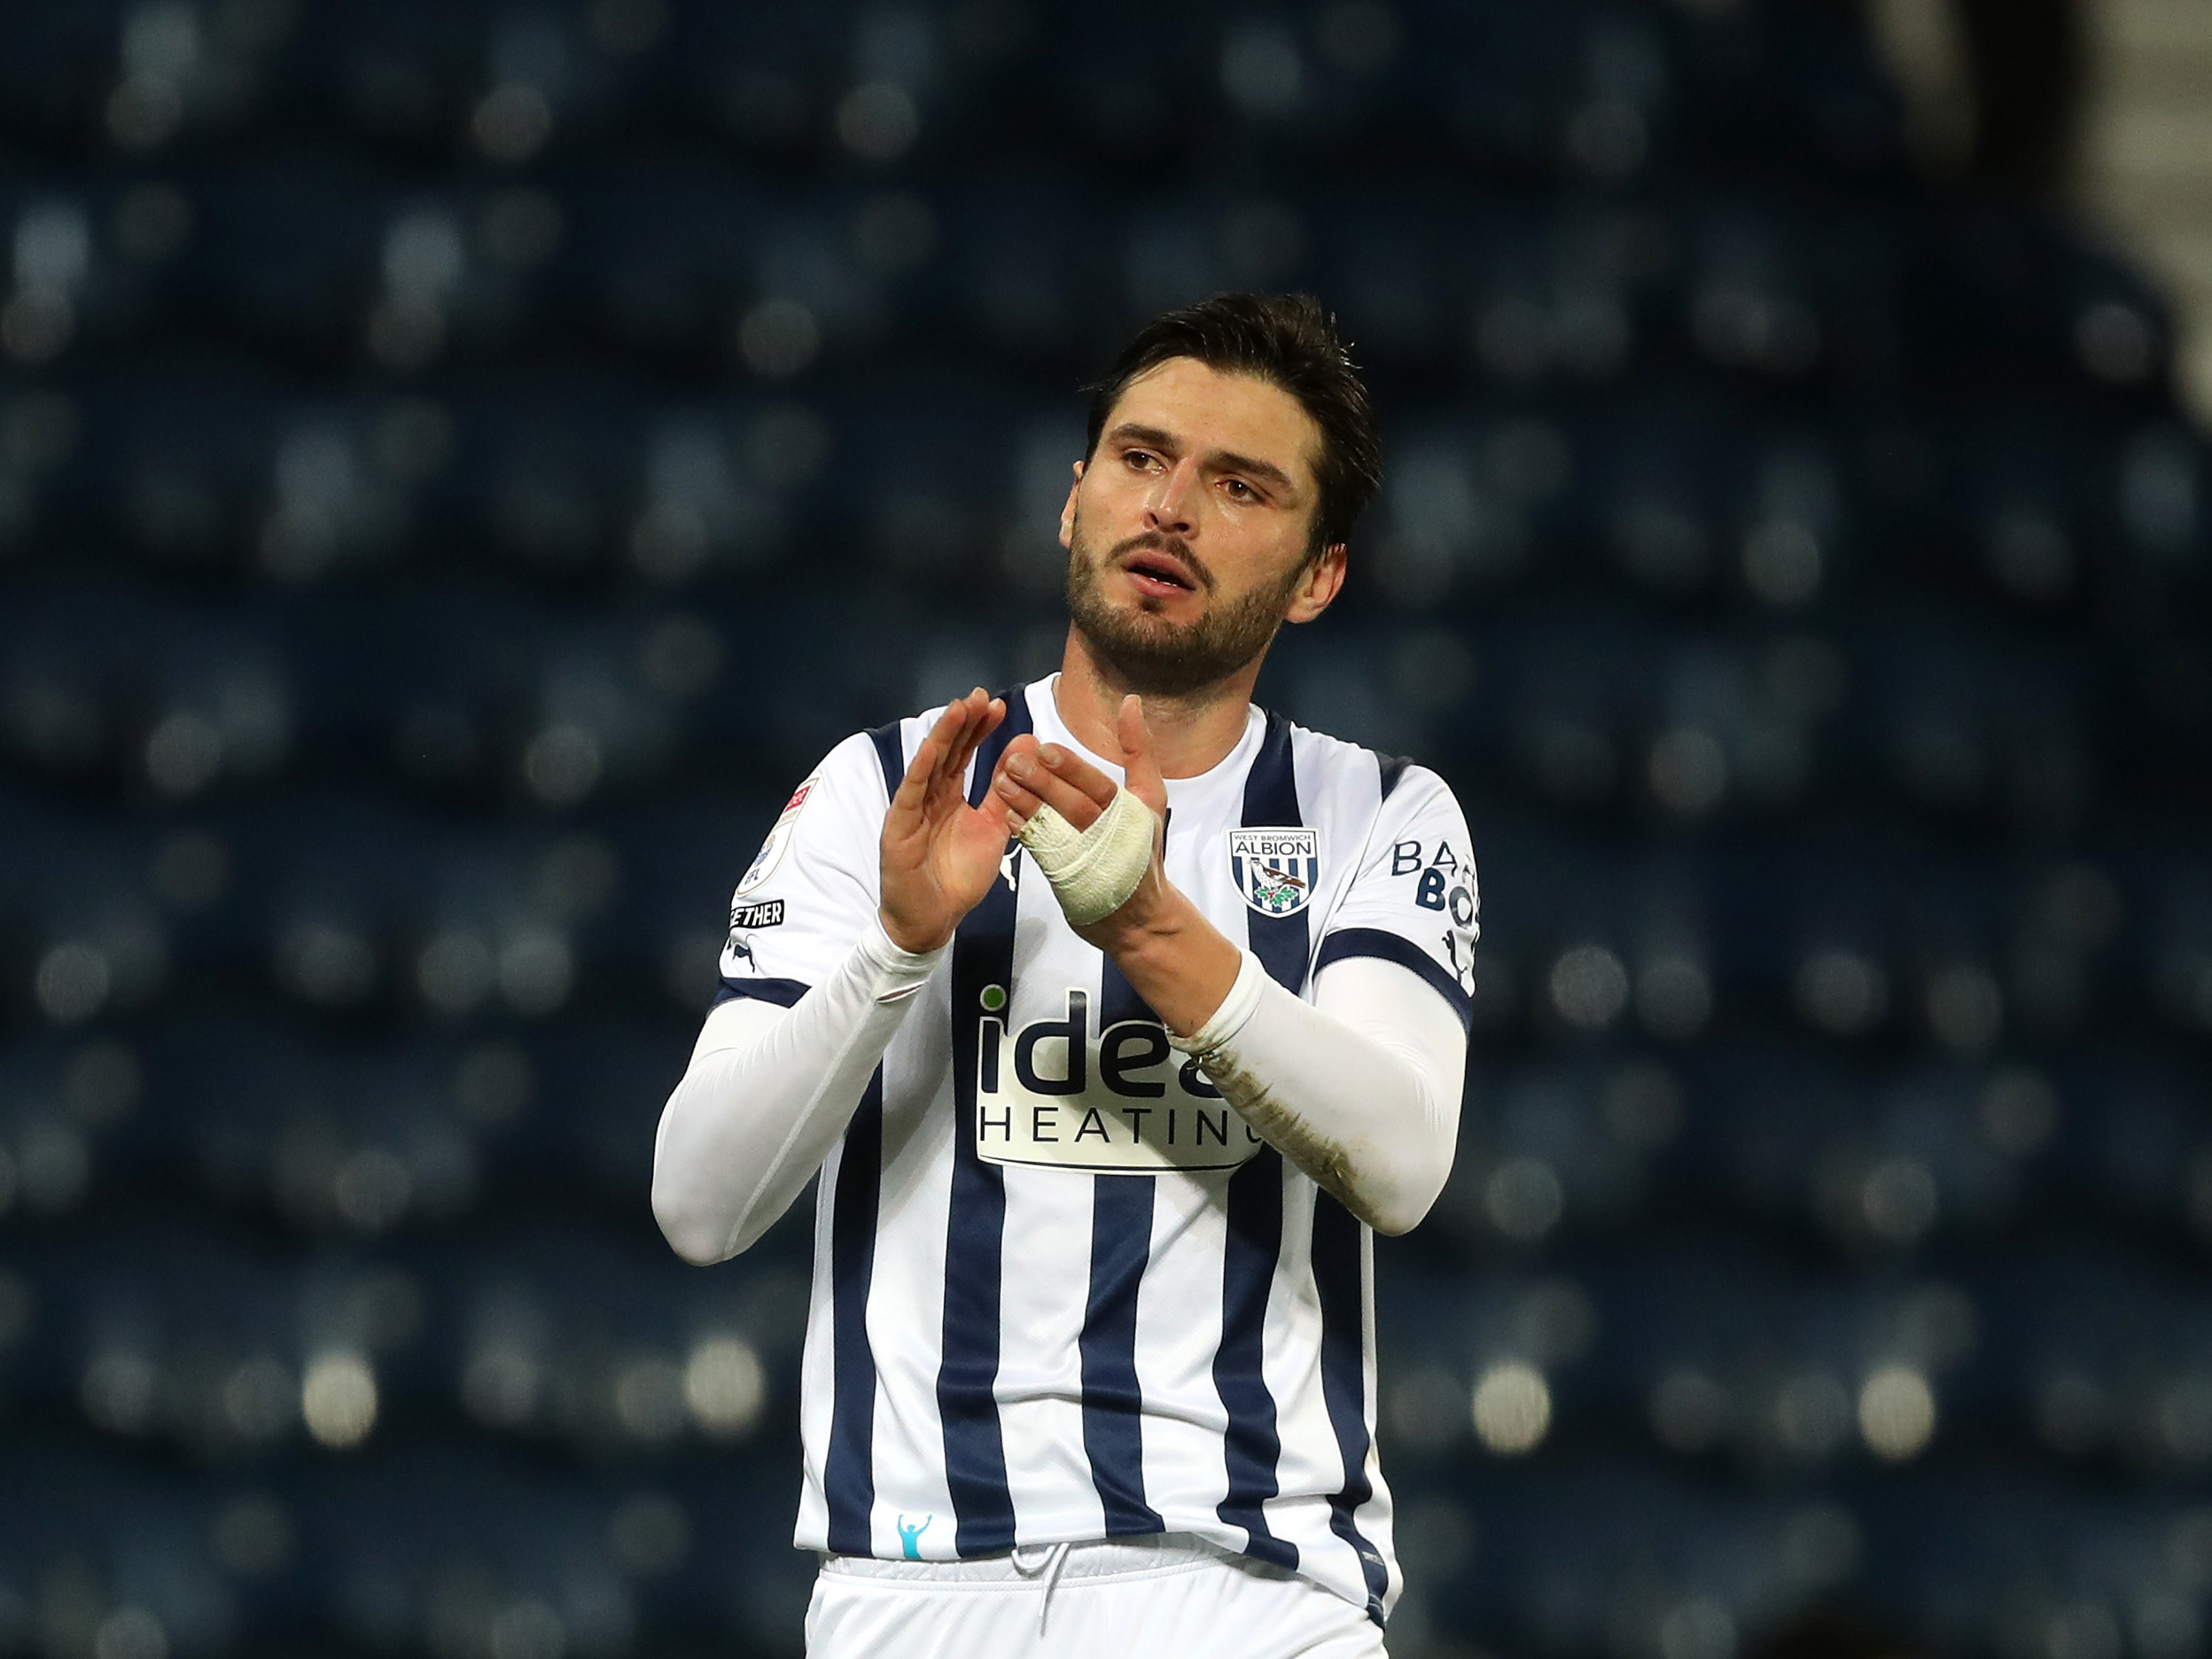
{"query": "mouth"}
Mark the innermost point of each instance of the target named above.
(1159, 575)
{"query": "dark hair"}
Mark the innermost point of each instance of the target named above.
(1288, 341)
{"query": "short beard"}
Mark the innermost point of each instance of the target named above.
(1158, 659)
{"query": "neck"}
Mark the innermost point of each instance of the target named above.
(1190, 735)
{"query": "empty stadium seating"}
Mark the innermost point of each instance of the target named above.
(460, 464)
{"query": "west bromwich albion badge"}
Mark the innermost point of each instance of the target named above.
(1276, 871)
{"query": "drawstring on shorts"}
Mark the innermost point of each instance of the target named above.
(1055, 1557)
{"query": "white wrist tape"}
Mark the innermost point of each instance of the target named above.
(1095, 870)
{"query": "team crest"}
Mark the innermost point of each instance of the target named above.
(1276, 871)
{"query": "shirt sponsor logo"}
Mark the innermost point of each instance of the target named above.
(759, 913)
(1049, 1095)
(1444, 882)
(771, 852)
(1276, 871)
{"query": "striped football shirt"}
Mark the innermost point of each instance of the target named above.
(1061, 1291)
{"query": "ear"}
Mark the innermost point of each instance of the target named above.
(1317, 586)
(1067, 509)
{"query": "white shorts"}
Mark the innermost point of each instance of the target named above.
(1158, 1598)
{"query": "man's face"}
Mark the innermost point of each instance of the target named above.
(1187, 528)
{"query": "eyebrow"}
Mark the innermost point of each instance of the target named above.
(1153, 438)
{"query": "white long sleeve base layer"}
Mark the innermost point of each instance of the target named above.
(768, 1091)
(1359, 1088)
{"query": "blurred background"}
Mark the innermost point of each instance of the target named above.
(461, 462)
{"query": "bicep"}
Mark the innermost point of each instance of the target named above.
(1402, 1010)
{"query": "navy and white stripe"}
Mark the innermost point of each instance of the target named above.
(1341, 1252)
(848, 1466)
(1250, 1443)
(968, 1364)
(1121, 1249)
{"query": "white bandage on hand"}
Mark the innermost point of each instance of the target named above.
(1095, 870)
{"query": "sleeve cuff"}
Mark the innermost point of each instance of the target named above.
(1236, 1009)
(895, 974)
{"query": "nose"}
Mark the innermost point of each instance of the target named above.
(1169, 510)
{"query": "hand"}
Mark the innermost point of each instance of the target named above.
(1179, 962)
(940, 855)
(1030, 776)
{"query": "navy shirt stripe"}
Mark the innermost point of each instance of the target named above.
(782, 992)
(1396, 948)
(890, 755)
(968, 1368)
(1271, 798)
(1340, 1284)
(849, 1466)
(1121, 1247)
(1251, 1443)
(1251, 1447)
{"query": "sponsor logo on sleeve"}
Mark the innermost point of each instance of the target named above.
(748, 916)
(771, 852)
(1444, 881)
(1276, 871)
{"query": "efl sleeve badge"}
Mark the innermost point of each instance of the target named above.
(771, 852)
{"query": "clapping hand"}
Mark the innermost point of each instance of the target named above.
(940, 855)
(1030, 775)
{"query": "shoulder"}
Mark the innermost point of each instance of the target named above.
(847, 787)
(1343, 773)
(856, 769)
(881, 754)
(889, 747)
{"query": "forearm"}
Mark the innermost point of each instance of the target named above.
(1360, 1089)
(1177, 961)
(766, 1095)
